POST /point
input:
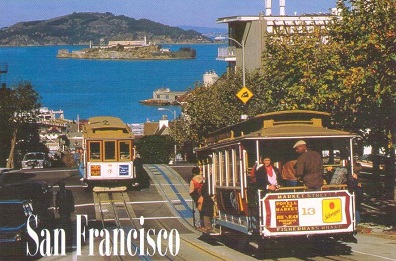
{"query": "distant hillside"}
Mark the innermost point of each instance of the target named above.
(209, 32)
(206, 30)
(81, 28)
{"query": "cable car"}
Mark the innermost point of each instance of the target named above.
(108, 145)
(229, 154)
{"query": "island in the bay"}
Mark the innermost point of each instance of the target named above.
(129, 50)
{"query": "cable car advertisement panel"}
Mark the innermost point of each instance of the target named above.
(314, 212)
(109, 170)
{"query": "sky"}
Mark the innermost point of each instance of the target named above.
(202, 13)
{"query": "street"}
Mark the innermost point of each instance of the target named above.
(158, 214)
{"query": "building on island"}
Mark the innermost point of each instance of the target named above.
(128, 43)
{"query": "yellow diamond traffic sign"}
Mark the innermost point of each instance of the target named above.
(244, 94)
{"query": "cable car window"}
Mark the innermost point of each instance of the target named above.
(237, 179)
(229, 167)
(234, 167)
(216, 169)
(222, 167)
(94, 150)
(125, 150)
(109, 150)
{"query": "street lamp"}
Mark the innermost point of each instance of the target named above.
(165, 109)
(242, 45)
(174, 119)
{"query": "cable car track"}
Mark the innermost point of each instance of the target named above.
(114, 211)
(111, 205)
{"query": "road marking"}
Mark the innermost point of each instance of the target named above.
(204, 249)
(173, 184)
(70, 186)
(130, 202)
(145, 218)
(383, 257)
(156, 201)
(50, 171)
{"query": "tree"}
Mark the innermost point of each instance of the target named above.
(211, 107)
(366, 35)
(299, 72)
(17, 108)
(155, 148)
(5, 131)
(366, 38)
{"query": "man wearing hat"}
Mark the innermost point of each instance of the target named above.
(309, 166)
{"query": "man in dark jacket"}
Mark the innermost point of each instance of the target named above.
(64, 204)
(309, 166)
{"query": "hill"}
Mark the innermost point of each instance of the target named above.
(205, 30)
(210, 32)
(82, 28)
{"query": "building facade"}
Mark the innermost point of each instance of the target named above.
(247, 34)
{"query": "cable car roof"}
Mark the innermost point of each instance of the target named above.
(280, 124)
(107, 127)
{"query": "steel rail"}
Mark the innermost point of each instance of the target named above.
(111, 200)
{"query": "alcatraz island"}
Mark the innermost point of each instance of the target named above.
(129, 50)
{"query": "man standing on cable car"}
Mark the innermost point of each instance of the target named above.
(309, 166)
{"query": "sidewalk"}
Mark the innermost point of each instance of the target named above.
(378, 215)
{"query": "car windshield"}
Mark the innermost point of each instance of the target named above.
(34, 156)
(12, 215)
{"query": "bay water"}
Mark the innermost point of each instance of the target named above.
(106, 87)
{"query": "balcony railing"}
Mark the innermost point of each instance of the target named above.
(226, 53)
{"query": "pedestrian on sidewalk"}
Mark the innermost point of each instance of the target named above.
(199, 193)
(64, 205)
(355, 186)
(80, 166)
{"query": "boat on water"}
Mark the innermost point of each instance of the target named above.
(156, 102)
(164, 97)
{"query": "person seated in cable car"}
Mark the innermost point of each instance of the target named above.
(267, 176)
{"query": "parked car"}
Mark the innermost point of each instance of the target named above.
(36, 191)
(36, 160)
(13, 226)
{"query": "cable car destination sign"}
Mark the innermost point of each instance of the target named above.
(317, 212)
